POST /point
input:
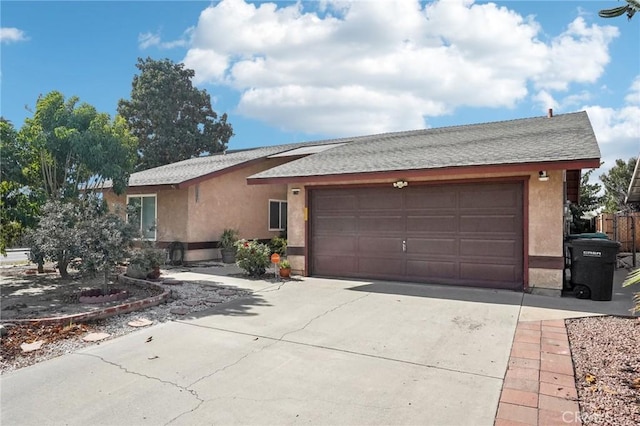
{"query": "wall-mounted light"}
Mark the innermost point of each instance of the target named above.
(295, 191)
(400, 184)
(543, 176)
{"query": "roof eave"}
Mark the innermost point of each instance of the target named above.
(633, 192)
(588, 163)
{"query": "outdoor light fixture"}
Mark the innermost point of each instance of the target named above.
(400, 184)
(295, 191)
(542, 176)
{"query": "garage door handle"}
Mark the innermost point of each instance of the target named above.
(404, 246)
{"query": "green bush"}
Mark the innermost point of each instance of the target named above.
(252, 257)
(634, 278)
(278, 245)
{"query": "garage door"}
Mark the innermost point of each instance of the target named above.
(467, 234)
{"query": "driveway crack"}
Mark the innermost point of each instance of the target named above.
(328, 311)
(166, 382)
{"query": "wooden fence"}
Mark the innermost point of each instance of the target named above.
(621, 228)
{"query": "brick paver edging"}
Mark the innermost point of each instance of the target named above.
(105, 312)
(539, 387)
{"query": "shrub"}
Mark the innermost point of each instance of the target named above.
(634, 278)
(252, 257)
(278, 245)
(228, 238)
(285, 264)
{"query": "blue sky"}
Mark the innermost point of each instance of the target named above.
(288, 71)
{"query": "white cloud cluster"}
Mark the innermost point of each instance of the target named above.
(618, 129)
(12, 35)
(149, 39)
(371, 66)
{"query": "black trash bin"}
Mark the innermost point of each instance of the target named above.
(593, 261)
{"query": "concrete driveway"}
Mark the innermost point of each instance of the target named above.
(313, 351)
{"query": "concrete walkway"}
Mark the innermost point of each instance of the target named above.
(312, 351)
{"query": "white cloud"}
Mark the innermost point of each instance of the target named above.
(12, 35)
(149, 39)
(618, 129)
(363, 66)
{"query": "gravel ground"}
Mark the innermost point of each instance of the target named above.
(606, 358)
(194, 296)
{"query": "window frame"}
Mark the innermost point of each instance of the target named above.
(155, 231)
(280, 202)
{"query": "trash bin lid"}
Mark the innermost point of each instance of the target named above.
(595, 242)
(600, 235)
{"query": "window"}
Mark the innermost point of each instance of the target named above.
(277, 215)
(141, 211)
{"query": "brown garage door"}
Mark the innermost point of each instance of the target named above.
(467, 234)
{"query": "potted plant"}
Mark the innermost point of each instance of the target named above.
(285, 269)
(228, 240)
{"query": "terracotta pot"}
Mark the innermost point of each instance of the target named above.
(285, 272)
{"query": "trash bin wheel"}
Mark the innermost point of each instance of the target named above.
(582, 292)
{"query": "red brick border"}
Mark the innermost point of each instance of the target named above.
(106, 312)
(539, 387)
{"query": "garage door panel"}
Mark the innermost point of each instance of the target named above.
(373, 201)
(484, 248)
(432, 270)
(381, 245)
(383, 223)
(465, 234)
(377, 266)
(441, 223)
(336, 244)
(436, 200)
(331, 265)
(489, 224)
(332, 224)
(494, 199)
(432, 246)
(335, 202)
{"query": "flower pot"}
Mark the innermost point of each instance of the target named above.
(228, 255)
(285, 272)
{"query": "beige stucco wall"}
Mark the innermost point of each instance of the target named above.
(171, 212)
(225, 201)
(228, 201)
(545, 213)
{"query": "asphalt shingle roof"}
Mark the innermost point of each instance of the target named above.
(182, 171)
(529, 140)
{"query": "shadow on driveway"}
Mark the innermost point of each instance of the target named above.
(620, 304)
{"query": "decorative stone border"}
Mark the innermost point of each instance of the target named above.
(105, 312)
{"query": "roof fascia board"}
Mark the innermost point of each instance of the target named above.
(444, 171)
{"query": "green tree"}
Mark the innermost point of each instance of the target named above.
(76, 146)
(590, 200)
(616, 184)
(104, 239)
(19, 204)
(630, 9)
(172, 119)
(72, 150)
(57, 237)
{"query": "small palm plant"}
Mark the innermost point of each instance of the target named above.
(630, 9)
(633, 278)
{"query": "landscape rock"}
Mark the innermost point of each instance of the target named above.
(95, 337)
(30, 347)
(179, 311)
(140, 322)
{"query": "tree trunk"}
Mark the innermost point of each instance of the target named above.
(63, 262)
(41, 266)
